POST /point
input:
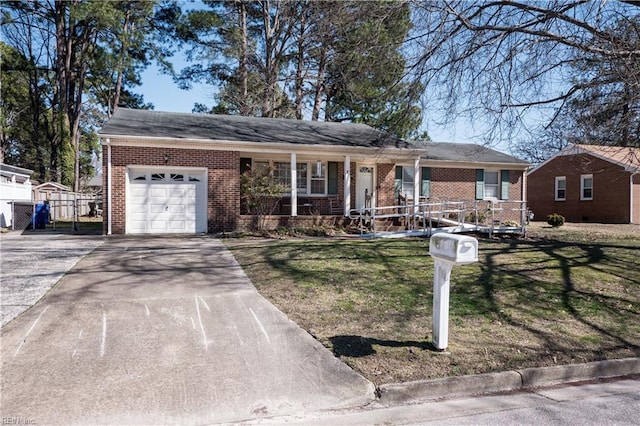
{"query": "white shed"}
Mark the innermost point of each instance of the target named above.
(15, 186)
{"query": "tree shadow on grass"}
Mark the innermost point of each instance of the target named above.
(566, 258)
(359, 346)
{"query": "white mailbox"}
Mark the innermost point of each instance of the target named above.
(458, 249)
(447, 250)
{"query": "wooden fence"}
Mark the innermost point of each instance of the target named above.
(65, 205)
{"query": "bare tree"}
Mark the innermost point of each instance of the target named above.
(520, 65)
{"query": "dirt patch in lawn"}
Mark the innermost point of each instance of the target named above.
(556, 296)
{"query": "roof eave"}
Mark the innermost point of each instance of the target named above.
(476, 164)
(262, 147)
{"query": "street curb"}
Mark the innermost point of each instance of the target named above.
(429, 390)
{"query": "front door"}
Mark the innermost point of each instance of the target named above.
(364, 187)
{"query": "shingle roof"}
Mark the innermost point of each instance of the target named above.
(467, 152)
(172, 125)
(624, 156)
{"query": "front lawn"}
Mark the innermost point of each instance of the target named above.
(558, 296)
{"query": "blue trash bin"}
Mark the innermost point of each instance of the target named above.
(41, 216)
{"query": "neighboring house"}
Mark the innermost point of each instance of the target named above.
(15, 187)
(588, 183)
(180, 173)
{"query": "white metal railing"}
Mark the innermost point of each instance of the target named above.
(477, 215)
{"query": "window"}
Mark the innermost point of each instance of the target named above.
(139, 176)
(319, 178)
(586, 187)
(404, 181)
(282, 171)
(407, 181)
(561, 188)
(301, 178)
(157, 176)
(311, 178)
(491, 184)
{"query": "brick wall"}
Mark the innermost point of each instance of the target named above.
(223, 172)
(453, 184)
(385, 184)
(610, 202)
(460, 184)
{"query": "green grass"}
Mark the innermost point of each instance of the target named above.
(555, 297)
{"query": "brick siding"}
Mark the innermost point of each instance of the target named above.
(223, 185)
(610, 203)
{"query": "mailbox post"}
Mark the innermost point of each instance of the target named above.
(447, 250)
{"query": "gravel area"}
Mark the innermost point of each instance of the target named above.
(31, 263)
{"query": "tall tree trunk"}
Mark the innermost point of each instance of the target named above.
(319, 89)
(299, 83)
(60, 105)
(120, 72)
(245, 108)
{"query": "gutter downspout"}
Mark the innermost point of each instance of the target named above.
(524, 218)
(109, 203)
(347, 185)
(416, 185)
(294, 185)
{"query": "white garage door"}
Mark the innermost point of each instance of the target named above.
(166, 202)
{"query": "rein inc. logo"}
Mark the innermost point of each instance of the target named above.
(17, 421)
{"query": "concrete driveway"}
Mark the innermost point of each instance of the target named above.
(164, 330)
(32, 262)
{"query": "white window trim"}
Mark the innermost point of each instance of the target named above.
(555, 193)
(497, 185)
(310, 163)
(582, 187)
(410, 184)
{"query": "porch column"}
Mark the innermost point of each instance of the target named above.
(347, 185)
(294, 186)
(416, 184)
(109, 202)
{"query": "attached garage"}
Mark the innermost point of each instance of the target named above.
(166, 201)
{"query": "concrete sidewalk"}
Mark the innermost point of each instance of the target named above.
(165, 330)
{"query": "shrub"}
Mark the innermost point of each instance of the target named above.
(261, 192)
(555, 220)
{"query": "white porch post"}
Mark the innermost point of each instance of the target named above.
(416, 184)
(294, 186)
(347, 185)
(109, 202)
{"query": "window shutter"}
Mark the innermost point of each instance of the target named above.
(398, 180)
(479, 184)
(332, 176)
(245, 165)
(504, 184)
(425, 188)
